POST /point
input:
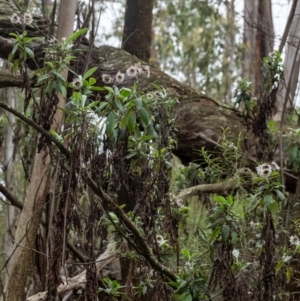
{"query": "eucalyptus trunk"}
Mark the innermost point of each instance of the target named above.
(20, 263)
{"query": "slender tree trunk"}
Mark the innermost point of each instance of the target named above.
(9, 174)
(30, 218)
(292, 66)
(228, 59)
(258, 39)
(138, 28)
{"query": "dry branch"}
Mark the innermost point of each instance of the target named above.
(242, 176)
(79, 281)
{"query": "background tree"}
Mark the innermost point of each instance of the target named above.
(258, 39)
(137, 32)
(30, 218)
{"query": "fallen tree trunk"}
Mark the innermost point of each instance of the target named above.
(196, 115)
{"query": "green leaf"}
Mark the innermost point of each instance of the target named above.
(220, 199)
(225, 233)
(13, 35)
(188, 298)
(42, 78)
(186, 253)
(119, 104)
(280, 195)
(89, 73)
(131, 124)
(62, 89)
(146, 138)
(144, 116)
(49, 64)
(29, 52)
(92, 81)
(138, 103)
(268, 199)
(279, 266)
(125, 92)
(76, 34)
(15, 65)
(102, 106)
(273, 207)
(111, 123)
(215, 234)
(15, 48)
(288, 274)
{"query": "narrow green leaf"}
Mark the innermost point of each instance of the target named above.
(125, 92)
(188, 298)
(225, 233)
(50, 65)
(92, 81)
(89, 73)
(288, 274)
(29, 52)
(280, 194)
(138, 103)
(102, 106)
(144, 116)
(268, 199)
(111, 124)
(131, 121)
(76, 34)
(15, 48)
(98, 89)
(186, 253)
(62, 89)
(220, 199)
(215, 234)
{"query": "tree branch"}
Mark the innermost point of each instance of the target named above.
(9, 80)
(45, 133)
(79, 281)
(242, 176)
(10, 197)
(146, 251)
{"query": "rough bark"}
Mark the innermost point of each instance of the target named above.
(258, 39)
(9, 174)
(30, 218)
(137, 28)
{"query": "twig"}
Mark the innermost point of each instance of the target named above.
(45, 133)
(146, 251)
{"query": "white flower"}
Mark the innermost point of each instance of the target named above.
(139, 69)
(157, 94)
(294, 240)
(107, 79)
(77, 83)
(51, 42)
(149, 96)
(160, 240)
(146, 71)
(120, 77)
(27, 19)
(15, 19)
(274, 166)
(64, 40)
(179, 203)
(252, 224)
(264, 170)
(132, 71)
